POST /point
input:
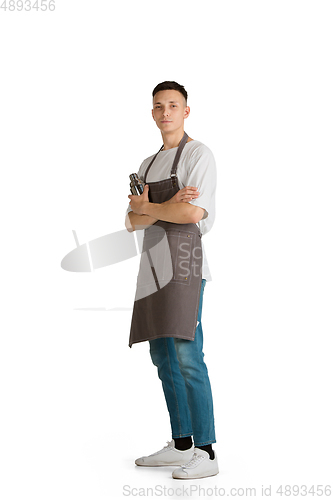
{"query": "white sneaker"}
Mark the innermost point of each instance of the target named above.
(199, 466)
(169, 455)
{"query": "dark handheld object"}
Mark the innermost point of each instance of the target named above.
(136, 184)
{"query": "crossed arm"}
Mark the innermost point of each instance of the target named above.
(145, 214)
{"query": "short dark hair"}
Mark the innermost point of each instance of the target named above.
(170, 86)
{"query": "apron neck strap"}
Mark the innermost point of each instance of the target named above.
(179, 152)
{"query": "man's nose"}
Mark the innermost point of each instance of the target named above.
(166, 112)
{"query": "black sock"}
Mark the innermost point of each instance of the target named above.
(183, 443)
(209, 449)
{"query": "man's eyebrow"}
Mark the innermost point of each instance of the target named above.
(168, 101)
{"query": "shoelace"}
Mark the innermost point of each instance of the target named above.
(167, 447)
(193, 462)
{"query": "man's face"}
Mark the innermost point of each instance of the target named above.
(169, 110)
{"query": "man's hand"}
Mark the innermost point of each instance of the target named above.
(138, 202)
(184, 195)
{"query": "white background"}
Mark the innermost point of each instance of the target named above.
(78, 405)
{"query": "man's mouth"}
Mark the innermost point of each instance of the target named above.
(166, 121)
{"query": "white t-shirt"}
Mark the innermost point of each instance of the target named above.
(196, 167)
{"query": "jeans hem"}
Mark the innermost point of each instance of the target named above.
(205, 444)
(182, 436)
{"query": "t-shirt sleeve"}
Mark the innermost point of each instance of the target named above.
(202, 174)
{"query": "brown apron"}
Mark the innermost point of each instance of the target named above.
(170, 273)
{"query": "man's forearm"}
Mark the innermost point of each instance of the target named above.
(134, 221)
(180, 213)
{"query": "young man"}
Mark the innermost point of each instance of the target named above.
(178, 202)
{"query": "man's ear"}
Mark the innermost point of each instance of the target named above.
(187, 111)
(152, 113)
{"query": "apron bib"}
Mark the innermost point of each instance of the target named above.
(170, 273)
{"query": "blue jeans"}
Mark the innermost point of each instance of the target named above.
(186, 386)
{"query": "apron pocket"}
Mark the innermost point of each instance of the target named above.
(181, 244)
